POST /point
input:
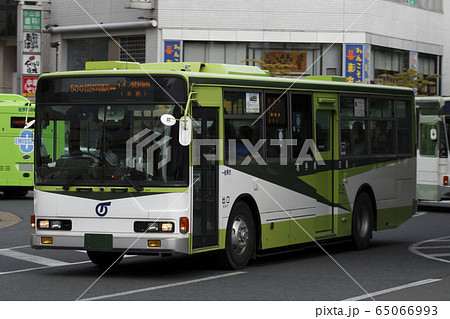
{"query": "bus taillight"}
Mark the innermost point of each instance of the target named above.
(445, 181)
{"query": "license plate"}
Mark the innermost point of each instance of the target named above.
(98, 241)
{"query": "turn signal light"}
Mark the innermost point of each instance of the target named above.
(154, 243)
(33, 221)
(184, 225)
(445, 181)
(47, 240)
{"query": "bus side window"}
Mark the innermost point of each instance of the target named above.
(404, 119)
(301, 121)
(242, 110)
(276, 124)
(353, 134)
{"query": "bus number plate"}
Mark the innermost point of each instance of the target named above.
(98, 241)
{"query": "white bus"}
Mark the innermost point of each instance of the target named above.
(272, 163)
(433, 162)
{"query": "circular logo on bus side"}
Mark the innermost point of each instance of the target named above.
(25, 141)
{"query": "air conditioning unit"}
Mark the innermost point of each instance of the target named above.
(142, 4)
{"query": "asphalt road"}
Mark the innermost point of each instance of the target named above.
(409, 263)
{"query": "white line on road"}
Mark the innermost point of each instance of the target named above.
(164, 286)
(433, 247)
(385, 291)
(415, 248)
(32, 258)
(42, 267)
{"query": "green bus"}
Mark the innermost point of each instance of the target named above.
(188, 158)
(16, 144)
(433, 163)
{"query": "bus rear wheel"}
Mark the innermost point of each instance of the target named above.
(104, 259)
(362, 221)
(240, 237)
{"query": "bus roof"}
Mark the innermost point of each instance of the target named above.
(433, 105)
(230, 74)
(6, 98)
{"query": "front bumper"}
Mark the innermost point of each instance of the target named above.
(130, 244)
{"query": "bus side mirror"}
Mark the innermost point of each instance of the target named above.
(433, 134)
(29, 124)
(185, 131)
(168, 119)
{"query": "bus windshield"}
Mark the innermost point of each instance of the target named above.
(109, 144)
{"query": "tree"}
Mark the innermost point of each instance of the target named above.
(410, 78)
(276, 69)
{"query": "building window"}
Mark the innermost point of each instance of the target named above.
(8, 18)
(389, 61)
(431, 5)
(84, 50)
(132, 48)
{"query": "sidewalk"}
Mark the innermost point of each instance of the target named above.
(8, 219)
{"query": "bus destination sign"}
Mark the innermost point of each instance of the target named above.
(123, 88)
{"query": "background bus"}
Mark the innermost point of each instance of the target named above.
(433, 163)
(16, 145)
(273, 163)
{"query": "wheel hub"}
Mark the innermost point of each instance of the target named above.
(239, 236)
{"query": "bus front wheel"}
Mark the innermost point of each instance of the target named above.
(362, 221)
(104, 259)
(240, 237)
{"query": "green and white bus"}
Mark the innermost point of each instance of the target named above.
(433, 162)
(16, 145)
(189, 158)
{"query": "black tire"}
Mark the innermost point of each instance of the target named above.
(362, 221)
(104, 259)
(240, 237)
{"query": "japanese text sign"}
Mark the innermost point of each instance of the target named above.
(172, 51)
(354, 63)
(32, 20)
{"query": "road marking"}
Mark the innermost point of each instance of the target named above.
(418, 214)
(385, 291)
(47, 262)
(17, 247)
(440, 255)
(416, 249)
(32, 258)
(130, 292)
(432, 247)
(43, 267)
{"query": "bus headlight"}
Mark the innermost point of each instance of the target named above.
(153, 227)
(54, 224)
(166, 227)
(44, 224)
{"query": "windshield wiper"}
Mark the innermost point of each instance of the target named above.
(137, 187)
(80, 172)
(75, 177)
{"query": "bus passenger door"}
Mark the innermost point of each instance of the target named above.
(206, 166)
(325, 139)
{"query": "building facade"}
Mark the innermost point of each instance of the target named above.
(358, 39)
